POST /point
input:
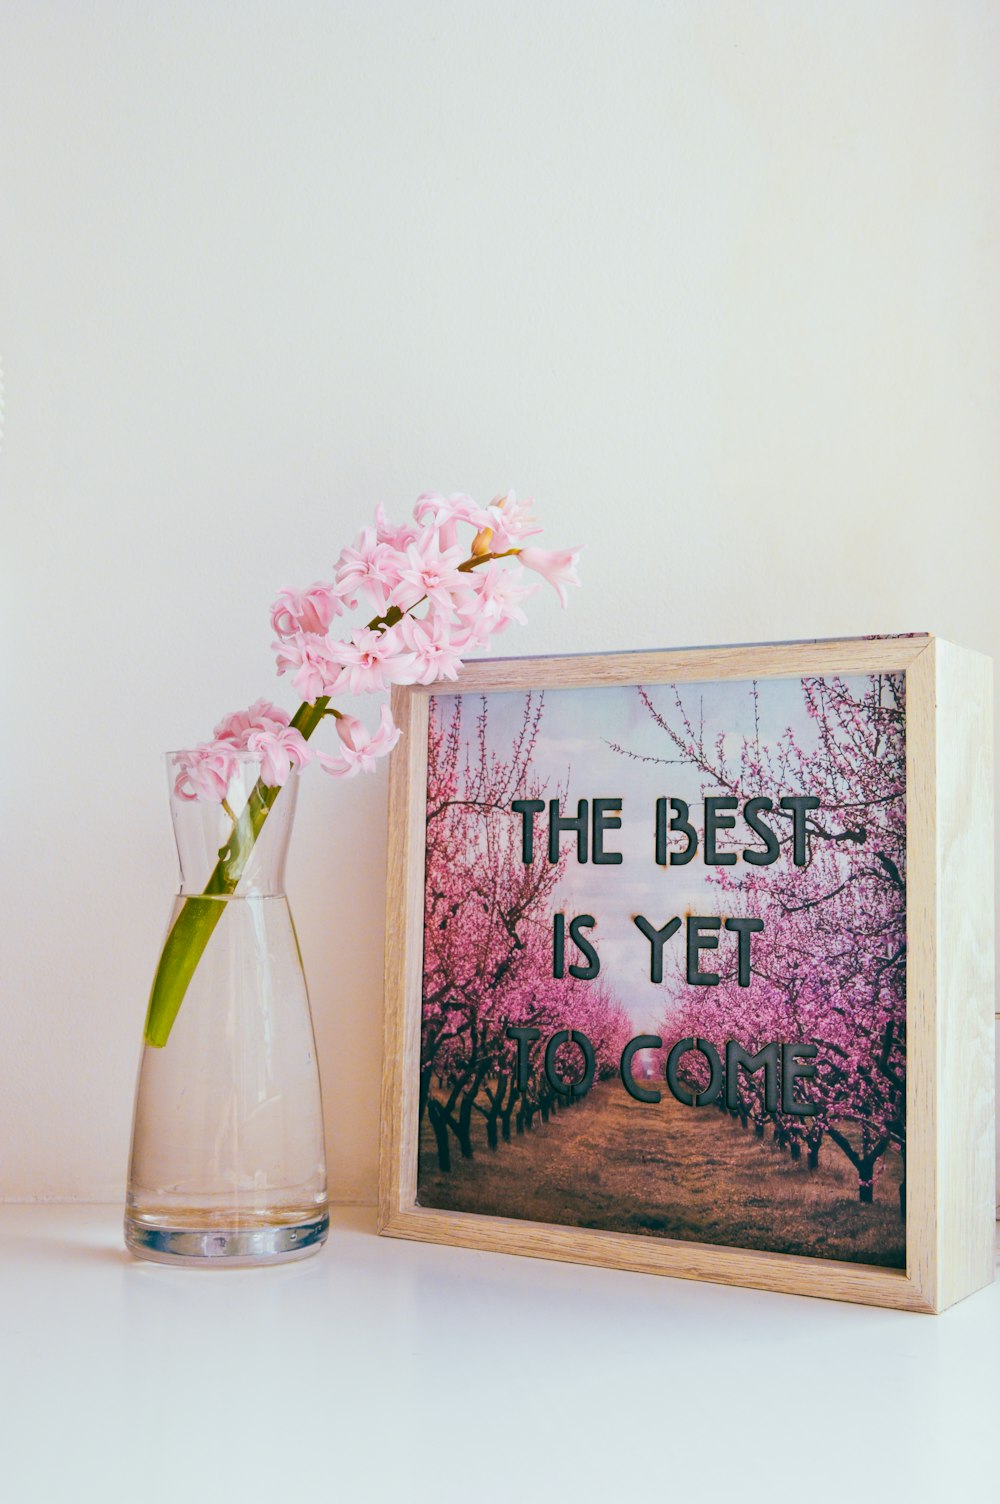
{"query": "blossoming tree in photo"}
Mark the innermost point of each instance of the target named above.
(488, 943)
(829, 965)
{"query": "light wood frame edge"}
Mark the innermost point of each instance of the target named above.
(917, 1289)
(965, 1038)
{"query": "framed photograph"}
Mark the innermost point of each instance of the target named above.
(690, 966)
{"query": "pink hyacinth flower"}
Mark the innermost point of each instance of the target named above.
(205, 772)
(360, 749)
(369, 566)
(445, 512)
(499, 591)
(436, 644)
(371, 660)
(311, 662)
(431, 570)
(310, 610)
(279, 752)
(260, 716)
(557, 566)
(511, 521)
(398, 537)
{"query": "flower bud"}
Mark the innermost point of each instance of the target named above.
(481, 542)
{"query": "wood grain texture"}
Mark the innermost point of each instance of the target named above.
(789, 1273)
(773, 660)
(949, 996)
(403, 958)
(965, 983)
(921, 976)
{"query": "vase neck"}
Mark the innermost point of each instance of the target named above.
(207, 837)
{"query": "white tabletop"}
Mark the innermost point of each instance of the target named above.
(384, 1370)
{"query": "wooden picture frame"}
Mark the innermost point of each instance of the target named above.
(949, 999)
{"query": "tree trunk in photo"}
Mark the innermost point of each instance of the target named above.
(864, 1162)
(495, 1098)
(439, 1123)
(463, 1127)
(508, 1112)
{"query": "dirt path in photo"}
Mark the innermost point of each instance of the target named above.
(675, 1172)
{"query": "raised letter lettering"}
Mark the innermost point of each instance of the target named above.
(678, 822)
(640, 1042)
(603, 822)
(790, 1073)
(765, 1059)
(593, 967)
(744, 928)
(559, 1083)
(696, 941)
(528, 809)
(771, 848)
(696, 1098)
(524, 1037)
(799, 804)
(715, 821)
(558, 823)
(657, 939)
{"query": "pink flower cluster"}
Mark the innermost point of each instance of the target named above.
(263, 731)
(432, 600)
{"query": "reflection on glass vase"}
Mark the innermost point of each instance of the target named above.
(227, 1163)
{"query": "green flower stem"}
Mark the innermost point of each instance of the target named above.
(200, 913)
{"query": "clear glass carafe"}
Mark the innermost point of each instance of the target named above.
(227, 1163)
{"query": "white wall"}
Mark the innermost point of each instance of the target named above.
(716, 281)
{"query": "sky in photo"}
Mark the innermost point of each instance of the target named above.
(574, 751)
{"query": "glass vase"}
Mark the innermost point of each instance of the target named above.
(227, 1164)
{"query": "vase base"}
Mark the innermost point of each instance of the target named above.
(222, 1248)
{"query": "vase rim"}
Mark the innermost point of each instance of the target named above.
(241, 754)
